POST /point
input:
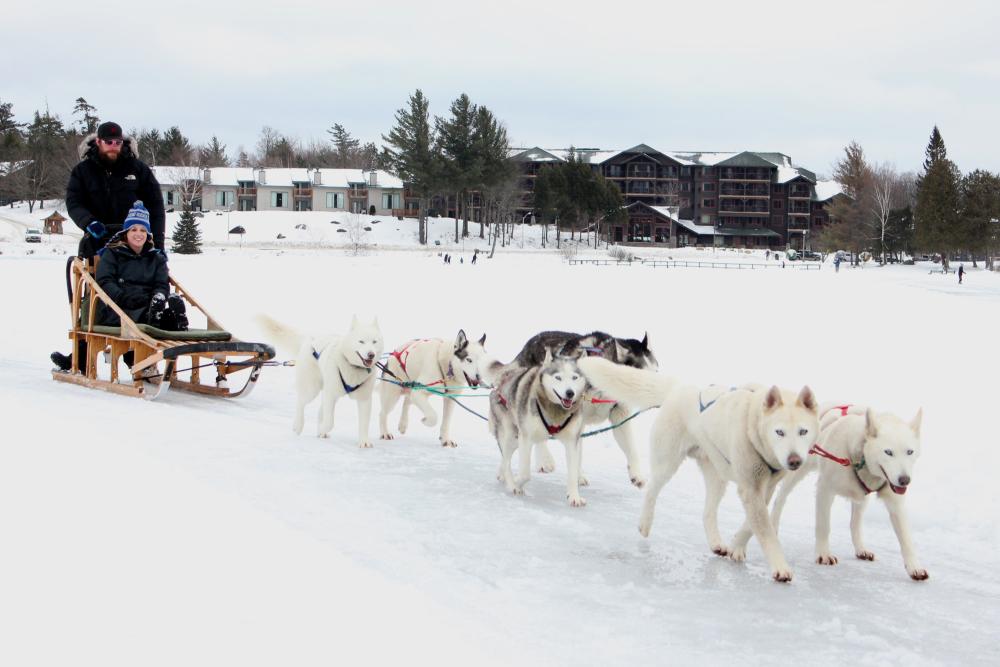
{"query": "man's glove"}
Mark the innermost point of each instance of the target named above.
(157, 307)
(96, 229)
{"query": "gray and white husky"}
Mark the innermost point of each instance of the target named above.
(596, 409)
(436, 363)
(863, 452)
(530, 405)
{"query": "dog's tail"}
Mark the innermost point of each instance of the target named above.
(490, 371)
(280, 334)
(637, 388)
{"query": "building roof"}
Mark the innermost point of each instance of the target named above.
(231, 176)
(827, 190)
(175, 175)
(535, 154)
(343, 178)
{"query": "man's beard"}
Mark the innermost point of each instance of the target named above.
(109, 157)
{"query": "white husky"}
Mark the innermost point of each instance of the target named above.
(337, 366)
(744, 435)
(862, 453)
(437, 364)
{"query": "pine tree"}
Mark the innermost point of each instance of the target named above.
(980, 210)
(214, 154)
(345, 146)
(462, 167)
(936, 214)
(88, 123)
(187, 235)
(411, 154)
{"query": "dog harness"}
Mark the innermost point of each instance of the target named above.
(858, 467)
(553, 430)
(705, 406)
(350, 389)
(403, 354)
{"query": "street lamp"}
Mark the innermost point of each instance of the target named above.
(532, 214)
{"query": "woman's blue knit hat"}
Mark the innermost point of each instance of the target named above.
(137, 215)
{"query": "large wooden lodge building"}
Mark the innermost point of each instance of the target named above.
(746, 199)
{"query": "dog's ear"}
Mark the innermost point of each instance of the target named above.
(482, 341)
(645, 341)
(461, 340)
(354, 321)
(915, 422)
(806, 399)
(773, 399)
(871, 430)
(375, 323)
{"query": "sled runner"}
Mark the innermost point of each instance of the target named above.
(158, 357)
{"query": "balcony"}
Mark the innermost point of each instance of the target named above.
(246, 192)
(302, 192)
(733, 206)
(798, 224)
(799, 194)
(794, 209)
(743, 190)
(405, 213)
(357, 193)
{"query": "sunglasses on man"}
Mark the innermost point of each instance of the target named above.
(111, 142)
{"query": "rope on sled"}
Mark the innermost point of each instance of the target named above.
(613, 426)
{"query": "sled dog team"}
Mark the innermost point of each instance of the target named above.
(756, 436)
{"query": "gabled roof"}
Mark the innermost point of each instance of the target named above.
(641, 149)
(167, 175)
(230, 176)
(536, 154)
(826, 190)
(746, 159)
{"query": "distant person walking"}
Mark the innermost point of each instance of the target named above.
(475, 254)
(836, 264)
(961, 273)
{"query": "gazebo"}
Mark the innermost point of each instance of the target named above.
(53, 223)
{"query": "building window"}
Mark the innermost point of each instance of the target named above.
(278, 199)
(778, 203)
(706, 171)
(334, 200)
(390, 200)
(224, 198)
(708, 187)
(708, 203)
(685, 171)
(169, 197)
(777, 221)
(685, 187)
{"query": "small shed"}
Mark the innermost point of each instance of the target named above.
(53, 223)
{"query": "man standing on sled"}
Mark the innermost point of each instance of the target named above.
(102, 188)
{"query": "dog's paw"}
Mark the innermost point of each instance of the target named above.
(322, 435)
(782, 574)
(917, 573)
(576, 500)
(645, 525)
(864, 554)
(826, 559)
(449, 443)
(583, 481)
(638, 481)
(738, 554)
(516, 490)
(402, 427)
(364, 444)
(386, 436)
(430, 421)
(720, 550)
(546, 468)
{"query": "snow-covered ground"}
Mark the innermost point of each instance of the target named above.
(201, 531)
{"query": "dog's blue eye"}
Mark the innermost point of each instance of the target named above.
(803, 431)
(909, 452)
(888, 452)
(781, 434)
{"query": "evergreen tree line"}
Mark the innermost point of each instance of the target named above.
(936, 211)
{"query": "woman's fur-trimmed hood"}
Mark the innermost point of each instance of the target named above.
(88, 146)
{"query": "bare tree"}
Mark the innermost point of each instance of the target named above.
(884, 195)
(357, 235)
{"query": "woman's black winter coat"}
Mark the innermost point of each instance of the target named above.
(129, 279)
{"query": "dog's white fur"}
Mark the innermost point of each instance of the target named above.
(430, 361)
(750, 436)
(889, 447)
(343, 360)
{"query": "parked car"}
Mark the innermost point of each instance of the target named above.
(810, 255)
(32, 235)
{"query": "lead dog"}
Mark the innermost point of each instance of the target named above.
(529, 405)
(748, 436)
(337, 366)
(860, 453)
(435, 363)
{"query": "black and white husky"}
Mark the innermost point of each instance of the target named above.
(530, 405)
(596, 409)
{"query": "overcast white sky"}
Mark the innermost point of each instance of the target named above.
(802, 78)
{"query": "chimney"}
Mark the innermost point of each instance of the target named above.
(261, 176)
(208, 176)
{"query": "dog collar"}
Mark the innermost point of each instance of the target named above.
(553, 430)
